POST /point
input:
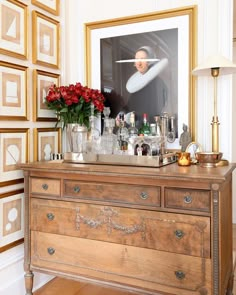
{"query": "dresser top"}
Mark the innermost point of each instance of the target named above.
(171, 170)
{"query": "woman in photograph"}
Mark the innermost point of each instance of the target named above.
(148, 92)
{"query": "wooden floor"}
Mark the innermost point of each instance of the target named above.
(59, 286)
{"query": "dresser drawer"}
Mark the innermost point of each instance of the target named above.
(46, 186)
(134, 266)
(187, 199)
(136, 194)
(185, 234)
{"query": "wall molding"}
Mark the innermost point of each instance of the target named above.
(12, 273)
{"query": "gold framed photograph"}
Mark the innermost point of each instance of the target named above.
(52, 6)
(164, 40)
(47, 141)
(14, 146)
(45, 40)
(13, 28)
(12, 219)
(42, 81)
(13, 92)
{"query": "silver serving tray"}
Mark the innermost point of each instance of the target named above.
(114, 159)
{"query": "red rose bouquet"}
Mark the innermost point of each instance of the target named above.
(72, 103)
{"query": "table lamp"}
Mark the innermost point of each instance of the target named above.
(215, 66)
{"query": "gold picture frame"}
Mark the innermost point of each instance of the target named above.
(13, 92)
(45, 40)
(42, 80)
(12, 219)
(47, 141)
(52, 6)
(14, 33)
(14, 144)
(110, 47)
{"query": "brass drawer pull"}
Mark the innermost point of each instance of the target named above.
(45, 186)
(50, 216)
(76, 189)
(143, 195)
(188, 199)
(179, 234)
(180, 275)
(51, 250)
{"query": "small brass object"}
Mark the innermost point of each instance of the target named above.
(209, 159)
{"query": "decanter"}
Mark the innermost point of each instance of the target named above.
(108, 138)
(94, 139)
(122, 134)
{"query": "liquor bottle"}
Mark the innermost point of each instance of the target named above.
(145, 128)
(158, 125)
(122, 134)
(106, 113)
(133, 133)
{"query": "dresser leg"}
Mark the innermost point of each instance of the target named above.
(230, 286)
(29, 282)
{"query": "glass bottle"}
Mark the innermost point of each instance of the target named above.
(164, 130)
(108, 139)
(145, 128)
(122, 134)
(158, 125)
(94, 137)
(106, 113)
(133, 133)
(153, 129)
(171, 133)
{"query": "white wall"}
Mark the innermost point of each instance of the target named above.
(11, 261)
(12, 273)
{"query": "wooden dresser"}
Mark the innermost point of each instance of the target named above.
(161, 230)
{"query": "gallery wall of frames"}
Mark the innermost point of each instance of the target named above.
(30, 38)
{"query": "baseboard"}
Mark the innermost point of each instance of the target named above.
(12, 273)
(41, 279)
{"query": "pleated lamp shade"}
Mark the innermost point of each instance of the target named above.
(225, 66)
